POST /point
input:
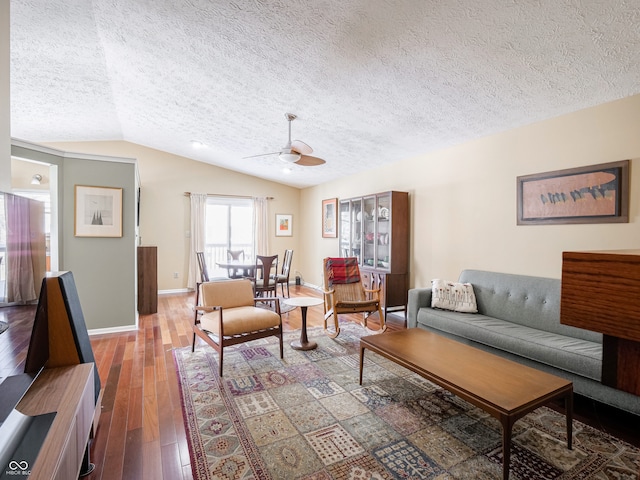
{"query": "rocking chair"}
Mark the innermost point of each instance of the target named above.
(344, 293)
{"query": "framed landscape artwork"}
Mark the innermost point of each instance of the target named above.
(593, 194)
(284, 225)
(330, 218)
(98, 211)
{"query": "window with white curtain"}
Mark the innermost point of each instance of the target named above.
(229, 226)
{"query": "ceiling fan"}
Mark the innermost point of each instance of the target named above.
(296, 152)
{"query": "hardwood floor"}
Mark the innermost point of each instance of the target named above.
(141, 432)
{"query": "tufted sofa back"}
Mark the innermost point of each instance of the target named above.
(530, 301)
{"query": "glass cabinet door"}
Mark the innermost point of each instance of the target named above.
(366, 230)
(345, 227)
(383, 234)
(356, 232)
(369, 231)
(351, 228)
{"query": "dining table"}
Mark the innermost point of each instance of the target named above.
(248, 269)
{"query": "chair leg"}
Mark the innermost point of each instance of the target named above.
(336, 331)
(281, 344)
(288, 294)
(220, 368)
(383, 319)
(383, 324)
(195, 319)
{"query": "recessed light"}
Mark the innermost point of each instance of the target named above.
(197, 144)
(286, 171)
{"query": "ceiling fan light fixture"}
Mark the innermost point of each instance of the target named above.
(289, 157)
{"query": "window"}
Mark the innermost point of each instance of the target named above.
(229, 226)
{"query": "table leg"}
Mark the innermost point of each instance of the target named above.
(361, 362)
(303, 343)
(568, 406)
(507, 426)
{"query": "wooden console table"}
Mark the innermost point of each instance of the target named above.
(69, 391)
(601, 292)
(147, 280)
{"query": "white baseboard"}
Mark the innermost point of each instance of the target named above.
(122, 329)
(174, 291)
(311, 285)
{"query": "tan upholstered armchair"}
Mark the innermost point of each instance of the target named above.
(344, 293)
(228, 316)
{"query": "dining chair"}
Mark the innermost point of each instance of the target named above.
(264, 282)
(202, 264)
(204, 274)
(345, 293)
(229, 315)
(282, 278)
(236, 256)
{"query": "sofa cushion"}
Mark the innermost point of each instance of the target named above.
(575, 355)
(530, 301)
(455, 296)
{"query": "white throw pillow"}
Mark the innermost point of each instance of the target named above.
(458, 297)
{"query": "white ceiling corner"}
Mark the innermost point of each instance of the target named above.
(372, 81)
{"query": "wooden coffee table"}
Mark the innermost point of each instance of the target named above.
(506, 390)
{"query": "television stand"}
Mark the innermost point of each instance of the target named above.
(68, 391)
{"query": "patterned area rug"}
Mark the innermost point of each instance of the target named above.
(306, 417)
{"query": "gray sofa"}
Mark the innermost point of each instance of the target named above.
(519, 318)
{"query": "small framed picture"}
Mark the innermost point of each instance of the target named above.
(284, 225)
(98, 211)
(330, 218)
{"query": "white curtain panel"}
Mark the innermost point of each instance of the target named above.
(198, 222)
(21, 286)
(261, 225)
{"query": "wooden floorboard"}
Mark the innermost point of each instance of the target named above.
(141, 431)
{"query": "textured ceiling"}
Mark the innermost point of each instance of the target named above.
(372, 81)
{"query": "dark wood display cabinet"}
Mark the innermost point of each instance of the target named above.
(375, 229)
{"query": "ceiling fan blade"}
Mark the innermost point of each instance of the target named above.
(309, 161)
(261, 155)
(301, 147)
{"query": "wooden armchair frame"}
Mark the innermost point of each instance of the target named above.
(349, 298)
(233, 300)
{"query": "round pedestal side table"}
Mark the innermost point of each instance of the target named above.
(303, 303)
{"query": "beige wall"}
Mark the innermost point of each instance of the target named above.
(463, 199)
(164, 209)
(5, 118)
(23, 171)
